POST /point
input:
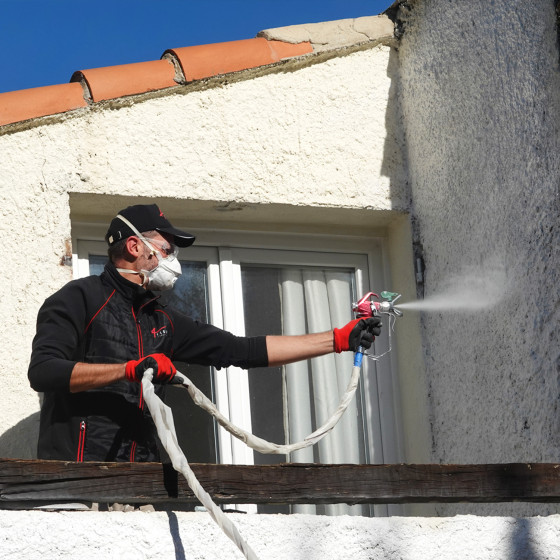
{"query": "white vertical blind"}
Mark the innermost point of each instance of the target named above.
(319, 300)
(298, 422)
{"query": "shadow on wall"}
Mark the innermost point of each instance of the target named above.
(522, 543)
(395, 160)
(20, 441)
(175, 535)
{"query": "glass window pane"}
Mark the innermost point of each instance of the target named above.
(288, 407)
(196, 429)
(97, 264)
(190, 293)
(263, 315)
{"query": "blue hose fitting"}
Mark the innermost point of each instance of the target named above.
(358, 357)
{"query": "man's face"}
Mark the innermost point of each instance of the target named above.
(162, 243)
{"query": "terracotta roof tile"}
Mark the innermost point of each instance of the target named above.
(195, 63)
(111, 82)
(203, 61)
(99, 84)
(24, 104)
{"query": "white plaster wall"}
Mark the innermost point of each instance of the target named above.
(144, 536)
(321, 136)
(481, 101)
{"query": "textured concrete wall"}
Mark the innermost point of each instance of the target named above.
(322, 136)
(138, 535)
(481, 105)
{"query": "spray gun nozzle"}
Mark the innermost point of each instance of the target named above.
(388, 307)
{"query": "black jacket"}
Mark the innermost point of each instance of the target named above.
(107, 319)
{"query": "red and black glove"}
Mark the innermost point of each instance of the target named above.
(359, 332)
(163, 367)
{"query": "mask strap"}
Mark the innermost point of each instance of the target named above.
(138, 234)
(130, 271)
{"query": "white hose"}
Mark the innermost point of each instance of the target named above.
(259, 444)
(163, 419)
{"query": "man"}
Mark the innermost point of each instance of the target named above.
(96, 336)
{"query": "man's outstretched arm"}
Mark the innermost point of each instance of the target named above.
(287, 349)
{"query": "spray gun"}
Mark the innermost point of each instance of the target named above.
(369, 307)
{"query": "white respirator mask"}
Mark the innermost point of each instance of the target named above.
(168, 269)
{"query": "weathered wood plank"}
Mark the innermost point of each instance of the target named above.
(23, 483)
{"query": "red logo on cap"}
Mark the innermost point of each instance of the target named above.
(161, 214)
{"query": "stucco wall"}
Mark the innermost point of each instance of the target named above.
(321, 136)
(481, 100)
(138, 535)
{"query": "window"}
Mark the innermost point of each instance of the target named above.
(277, 290)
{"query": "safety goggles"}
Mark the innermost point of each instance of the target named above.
(164, 247)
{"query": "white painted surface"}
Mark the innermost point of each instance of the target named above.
(156, 535)
(334, 34)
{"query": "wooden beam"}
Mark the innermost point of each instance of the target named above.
(25, 484)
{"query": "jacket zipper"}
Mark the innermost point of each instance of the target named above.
(81, 442)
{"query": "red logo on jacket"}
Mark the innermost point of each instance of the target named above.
(160, 332)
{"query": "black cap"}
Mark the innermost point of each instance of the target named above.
(145, 217)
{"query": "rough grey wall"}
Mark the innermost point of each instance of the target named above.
(481, 100)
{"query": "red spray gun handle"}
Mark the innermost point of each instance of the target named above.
(367, 307)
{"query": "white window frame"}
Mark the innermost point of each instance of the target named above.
(356, 262)
(366, 256)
